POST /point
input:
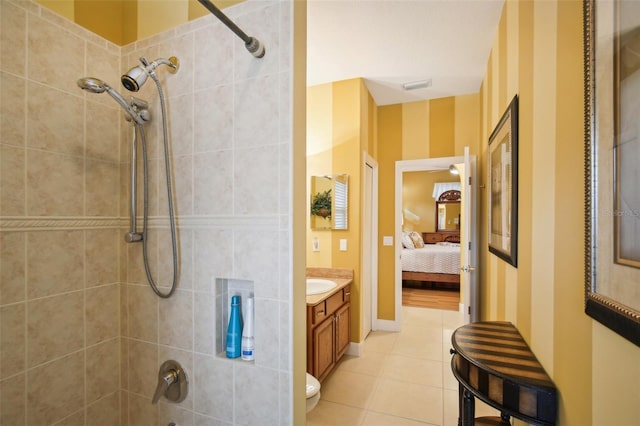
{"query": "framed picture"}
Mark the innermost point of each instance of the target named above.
(612, 171)
(503, 186)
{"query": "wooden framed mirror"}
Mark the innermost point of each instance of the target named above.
(448, 211)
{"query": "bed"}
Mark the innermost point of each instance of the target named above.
(434, 263)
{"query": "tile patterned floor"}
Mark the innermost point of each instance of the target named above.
(401, 379)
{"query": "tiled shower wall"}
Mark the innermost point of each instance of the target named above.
(82, 335)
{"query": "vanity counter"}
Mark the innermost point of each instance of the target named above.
(314, 299)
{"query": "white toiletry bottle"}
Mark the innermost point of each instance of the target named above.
(248, 345)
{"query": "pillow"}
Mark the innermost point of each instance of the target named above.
(407, 242)
(418, 242)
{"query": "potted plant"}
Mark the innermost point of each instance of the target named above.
(321, 204)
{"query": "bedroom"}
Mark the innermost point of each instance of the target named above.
(431, 220)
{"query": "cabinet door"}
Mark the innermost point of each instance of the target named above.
(342, 330)
(324, 348)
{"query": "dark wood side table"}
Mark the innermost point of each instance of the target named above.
(492, 362)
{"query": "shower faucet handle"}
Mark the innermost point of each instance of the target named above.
(172, 382)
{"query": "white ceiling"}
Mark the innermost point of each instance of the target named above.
(391, 42)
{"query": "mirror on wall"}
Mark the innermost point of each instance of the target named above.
(448, 212)
(329, 201)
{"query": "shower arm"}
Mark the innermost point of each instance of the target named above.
(252, 44)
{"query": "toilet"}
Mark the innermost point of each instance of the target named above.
(313, 392)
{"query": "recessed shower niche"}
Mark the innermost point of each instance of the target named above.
(225, 289)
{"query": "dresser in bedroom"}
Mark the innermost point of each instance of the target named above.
(440, 237)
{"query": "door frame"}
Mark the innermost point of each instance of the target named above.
(426, 164)
(370, 258)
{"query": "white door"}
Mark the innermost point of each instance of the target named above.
(369, 246)
(468, 240)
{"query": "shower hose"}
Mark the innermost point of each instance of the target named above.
(172, 221)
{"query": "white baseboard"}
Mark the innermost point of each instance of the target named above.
(355, 348)
(387, 325)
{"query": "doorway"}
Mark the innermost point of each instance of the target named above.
(468, 307)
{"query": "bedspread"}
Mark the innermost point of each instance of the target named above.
(434, 258)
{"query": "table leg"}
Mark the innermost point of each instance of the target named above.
(468, 411)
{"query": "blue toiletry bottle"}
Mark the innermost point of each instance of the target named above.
(234, 332)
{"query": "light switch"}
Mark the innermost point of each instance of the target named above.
(316, 244)
(387, 240)
(343, 245)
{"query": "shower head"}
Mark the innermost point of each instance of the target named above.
(137, 76)
(95, 85)
(92, 85)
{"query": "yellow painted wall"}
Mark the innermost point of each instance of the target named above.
(425, 129)
(390, 134)
(65, 8)
(338, 131)
(417, 196)
(538, 55)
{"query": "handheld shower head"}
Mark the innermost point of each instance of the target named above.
(92, 85)
(95, 85)
(137, 76)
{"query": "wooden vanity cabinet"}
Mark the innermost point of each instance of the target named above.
(328, 334)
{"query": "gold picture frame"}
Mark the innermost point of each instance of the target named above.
(612, 86)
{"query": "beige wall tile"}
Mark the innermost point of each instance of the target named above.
(182, 185)
(105, 65)
(76, 419)
(55, 262)
(13, 407)
(12, 186)
(103, 365)
(213, 121)
(51, 396)
(256, 112)
(176, 320)
(55, 327)
(212, 257)
(55, 119)
(255, 180)
(12, 108)
(13, 24)
(213, 48)
(102, 256)
(102, 313)
(143, 368)
(180, 114)
(54, 184)
(205, 323)
(105, 412)
(212, 377)
(53, 63)
(12, 339)
(182, 81)
(102, 182)
(141, 412)
(213, 185)
(103, 128)
(258, 401)
(142, 313)
(12, 267)
(135, 263)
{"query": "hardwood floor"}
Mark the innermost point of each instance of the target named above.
(436, 298)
